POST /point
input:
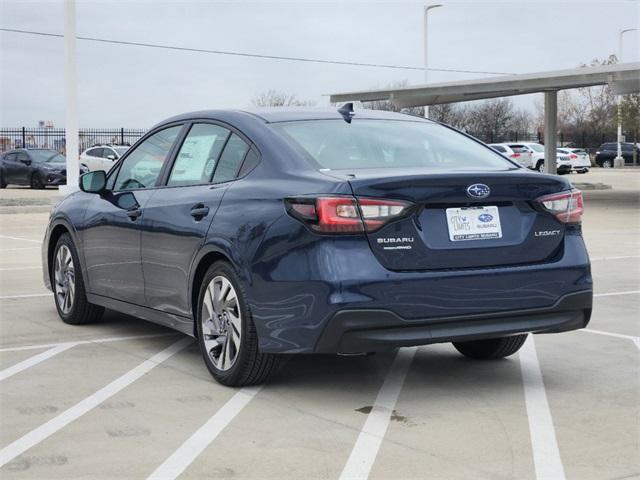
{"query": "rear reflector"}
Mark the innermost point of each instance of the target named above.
(567, 207)
(345, 214)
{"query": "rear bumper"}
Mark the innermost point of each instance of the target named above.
(357, 331)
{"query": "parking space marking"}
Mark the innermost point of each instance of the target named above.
(546, 455)
(612, 294)
(598, 259)
(375, 427)
(21, 238)
(28, 295)
(86, 342)
(184, 456)
(36, 359)
(18, 248)
(635, 340)
(47, 429)
(30, 267)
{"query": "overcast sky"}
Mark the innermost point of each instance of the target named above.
(134, 86)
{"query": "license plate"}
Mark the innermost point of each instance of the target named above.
(473, 223)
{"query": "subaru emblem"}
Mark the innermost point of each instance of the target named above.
(478, 190)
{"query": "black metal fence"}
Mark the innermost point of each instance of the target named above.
(54, 137)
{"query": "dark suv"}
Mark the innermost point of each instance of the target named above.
(36, 167)
(609, 151)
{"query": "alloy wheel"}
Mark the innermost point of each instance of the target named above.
(65, 280)
(221, 323)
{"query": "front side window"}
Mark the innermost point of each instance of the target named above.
(95, 152)
(231, 159)
(337, 145)
(198, 155)
(142, 167)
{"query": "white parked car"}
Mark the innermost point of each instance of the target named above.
(537, 154)
(579, 158)
(516, 152)
(102, 157)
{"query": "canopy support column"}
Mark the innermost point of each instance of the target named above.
(550, 130)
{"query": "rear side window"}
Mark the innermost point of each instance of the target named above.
(499, 148)
(519, 148)
(231, 159)
(365, 143)
(198, 155)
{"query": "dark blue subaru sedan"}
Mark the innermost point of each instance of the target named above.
(273, 232)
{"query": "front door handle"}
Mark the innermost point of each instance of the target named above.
(199, 211)
(134, 213)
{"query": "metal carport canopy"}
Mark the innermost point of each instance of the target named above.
(623, 78)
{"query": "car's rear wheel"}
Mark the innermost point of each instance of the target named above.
(491, 348)
(3, 182)
(36, 181)
(68, 285)
(540, 165)
(226, 333)
(607, 164)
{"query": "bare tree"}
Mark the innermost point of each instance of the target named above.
(274, 98)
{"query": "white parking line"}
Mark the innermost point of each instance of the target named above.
(635, 340)
(18, 248)
(613, 294)
(28, 295)
(546, 455)
(36, 359)
(47, 429)
(184, 456)
(30, 267)
(21, 238)
(375, 427)
(598, 259)
(86, 342)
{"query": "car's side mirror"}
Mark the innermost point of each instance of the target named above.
(94, 182)
(111, 157)
(26, 161)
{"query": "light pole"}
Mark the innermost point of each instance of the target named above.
(71, 111)
(426, 49)
(619, 160)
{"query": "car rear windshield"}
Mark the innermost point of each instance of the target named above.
(536, 147)
(364, 143)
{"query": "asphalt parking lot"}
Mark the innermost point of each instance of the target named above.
(124, 398)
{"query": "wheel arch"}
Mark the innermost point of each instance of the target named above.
(207, 256)
(57, 229)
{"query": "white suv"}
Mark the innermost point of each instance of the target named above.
(517, 152)
(102, 157)
(579, 158)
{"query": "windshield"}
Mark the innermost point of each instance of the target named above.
(536, 147)
(335, 145)
(48, 156)
(120, 150)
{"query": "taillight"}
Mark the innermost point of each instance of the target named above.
(514, 155)
(345, 214)
(567, 207)
(573, 155)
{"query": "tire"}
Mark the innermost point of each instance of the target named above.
(491, 348)
(540, 165)
(68, 286)
(607, 164)
(218, 332)
(3, 183)
(36, 181)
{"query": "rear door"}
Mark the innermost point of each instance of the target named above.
(22, 169)
(12, 167)
(179, 215)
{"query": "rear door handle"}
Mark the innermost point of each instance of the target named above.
(134, 213)
(199, 211)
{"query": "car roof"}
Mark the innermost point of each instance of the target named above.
(288, 114)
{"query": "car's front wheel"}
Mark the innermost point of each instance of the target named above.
(3, 181)
(491, 348)
(607, 164)
(68, 285)
(226, 333)
(36, 181)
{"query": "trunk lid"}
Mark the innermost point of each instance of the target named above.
(452, 228)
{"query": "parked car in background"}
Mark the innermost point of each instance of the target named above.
(578, 157)
(289, 231)
(517, 152)
(102, 157)
(537, 153)
(609, 151)
(36, 167)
